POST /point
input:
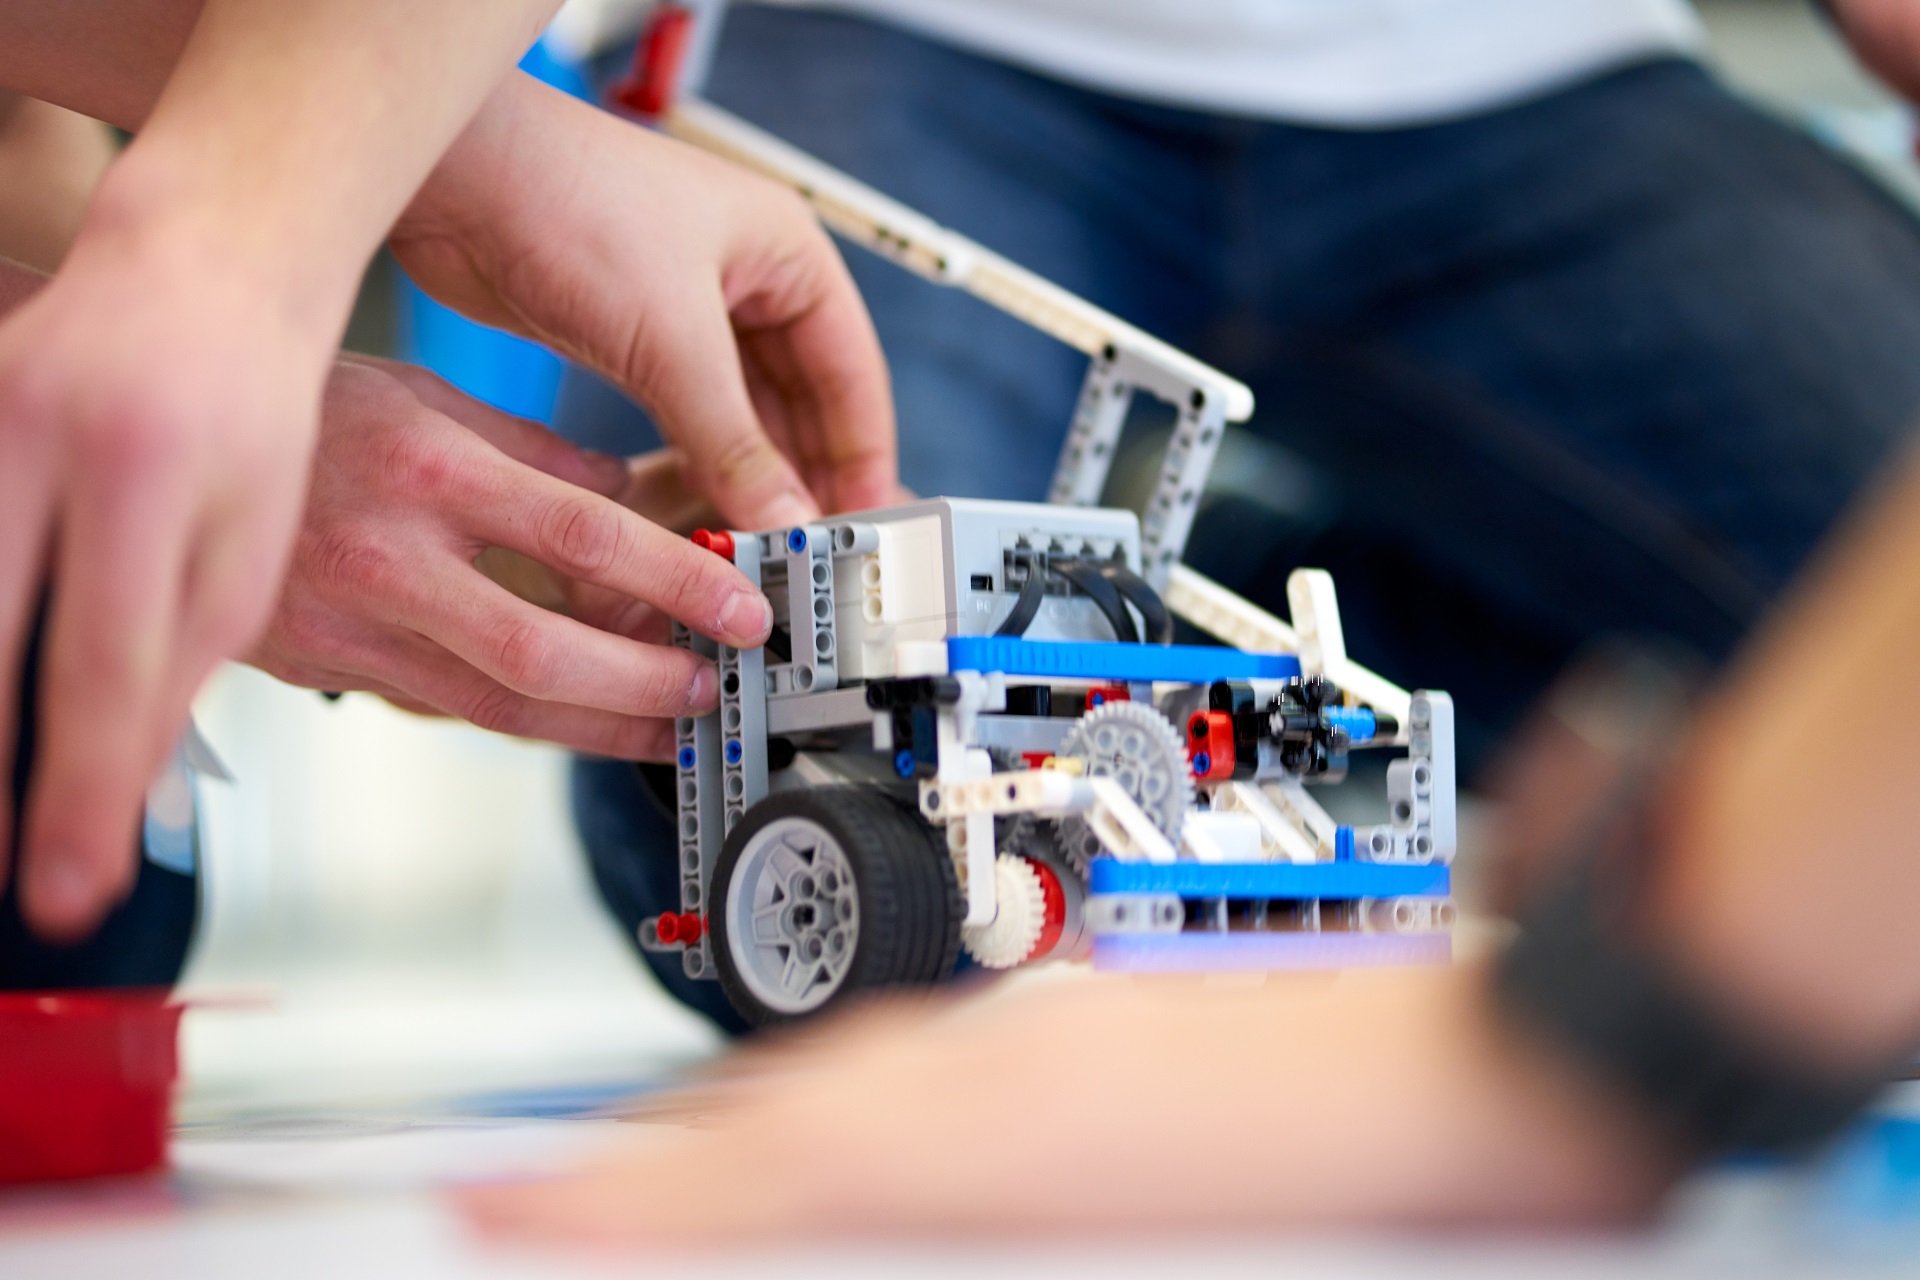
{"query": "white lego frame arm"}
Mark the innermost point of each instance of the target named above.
(931, 251)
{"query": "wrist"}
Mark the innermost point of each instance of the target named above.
(521, 119)
(161, 218)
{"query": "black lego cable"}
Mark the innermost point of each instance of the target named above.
(1088, 579)
(1153, 610)
(1032, 593)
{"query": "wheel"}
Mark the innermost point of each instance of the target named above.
(827, 891)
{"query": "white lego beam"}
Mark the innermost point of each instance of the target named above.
(1226, 615)
(930, 250)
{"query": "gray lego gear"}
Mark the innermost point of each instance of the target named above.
(1139, 748)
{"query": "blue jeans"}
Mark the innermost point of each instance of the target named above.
(1610, 361)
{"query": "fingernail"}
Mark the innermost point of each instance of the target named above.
(790, 510)
(747, 617)
(703, 695)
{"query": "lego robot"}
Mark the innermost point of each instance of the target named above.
(971, 729)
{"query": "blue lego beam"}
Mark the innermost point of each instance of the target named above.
(1074, 660)
(1271, 880)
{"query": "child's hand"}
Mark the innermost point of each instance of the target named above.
(156, 416)
(413, 482)
(708, 294)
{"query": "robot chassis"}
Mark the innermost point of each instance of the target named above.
(971, 728)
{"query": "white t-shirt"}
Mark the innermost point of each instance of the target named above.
(1358, 63)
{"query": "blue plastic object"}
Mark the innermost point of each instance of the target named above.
(734, 751)
(1074, 660)
(1270, 880)
(686, 757)
(1360, 724)
(509, 373)
(903, 763)
(1343, 844)
(797, 541)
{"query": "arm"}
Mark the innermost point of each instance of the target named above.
(768, 378)
(413, 483)
(772, 385)
(1783, 892)
(158, 400)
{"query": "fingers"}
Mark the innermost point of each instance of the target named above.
(685, 366)
(657, 489)
(104, 681)
(617, 614)
(586, 537)
(520, 439)
(416, 674)
(550, 658)
(822, 360)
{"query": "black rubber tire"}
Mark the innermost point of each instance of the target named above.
(909, 900)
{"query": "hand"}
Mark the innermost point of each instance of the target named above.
(1101, 1105)
(412, 483)
(653, 487)
(710, 295)
(156, 413)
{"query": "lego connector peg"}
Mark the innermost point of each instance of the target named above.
(718, 541)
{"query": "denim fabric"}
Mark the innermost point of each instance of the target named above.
(1609, 361)
(618, 819)
(143, 943)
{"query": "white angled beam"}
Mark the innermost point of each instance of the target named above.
(928, 249)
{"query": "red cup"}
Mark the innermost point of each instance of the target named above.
(86, 1083)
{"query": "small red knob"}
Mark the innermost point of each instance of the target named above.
(718, 541)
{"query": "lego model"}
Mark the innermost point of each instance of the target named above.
(971, 729)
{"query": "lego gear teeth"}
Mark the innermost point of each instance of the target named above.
(1020, 921)
(1139, 748)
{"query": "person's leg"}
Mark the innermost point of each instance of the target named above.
(1612, 361)
(143, 943)
(631, 848)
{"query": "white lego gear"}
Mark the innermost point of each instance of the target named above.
(1138, 748)
(1018, 921)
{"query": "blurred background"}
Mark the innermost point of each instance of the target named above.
(398, 907)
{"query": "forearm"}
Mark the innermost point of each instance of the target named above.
(1791, 871)
(289, 136)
